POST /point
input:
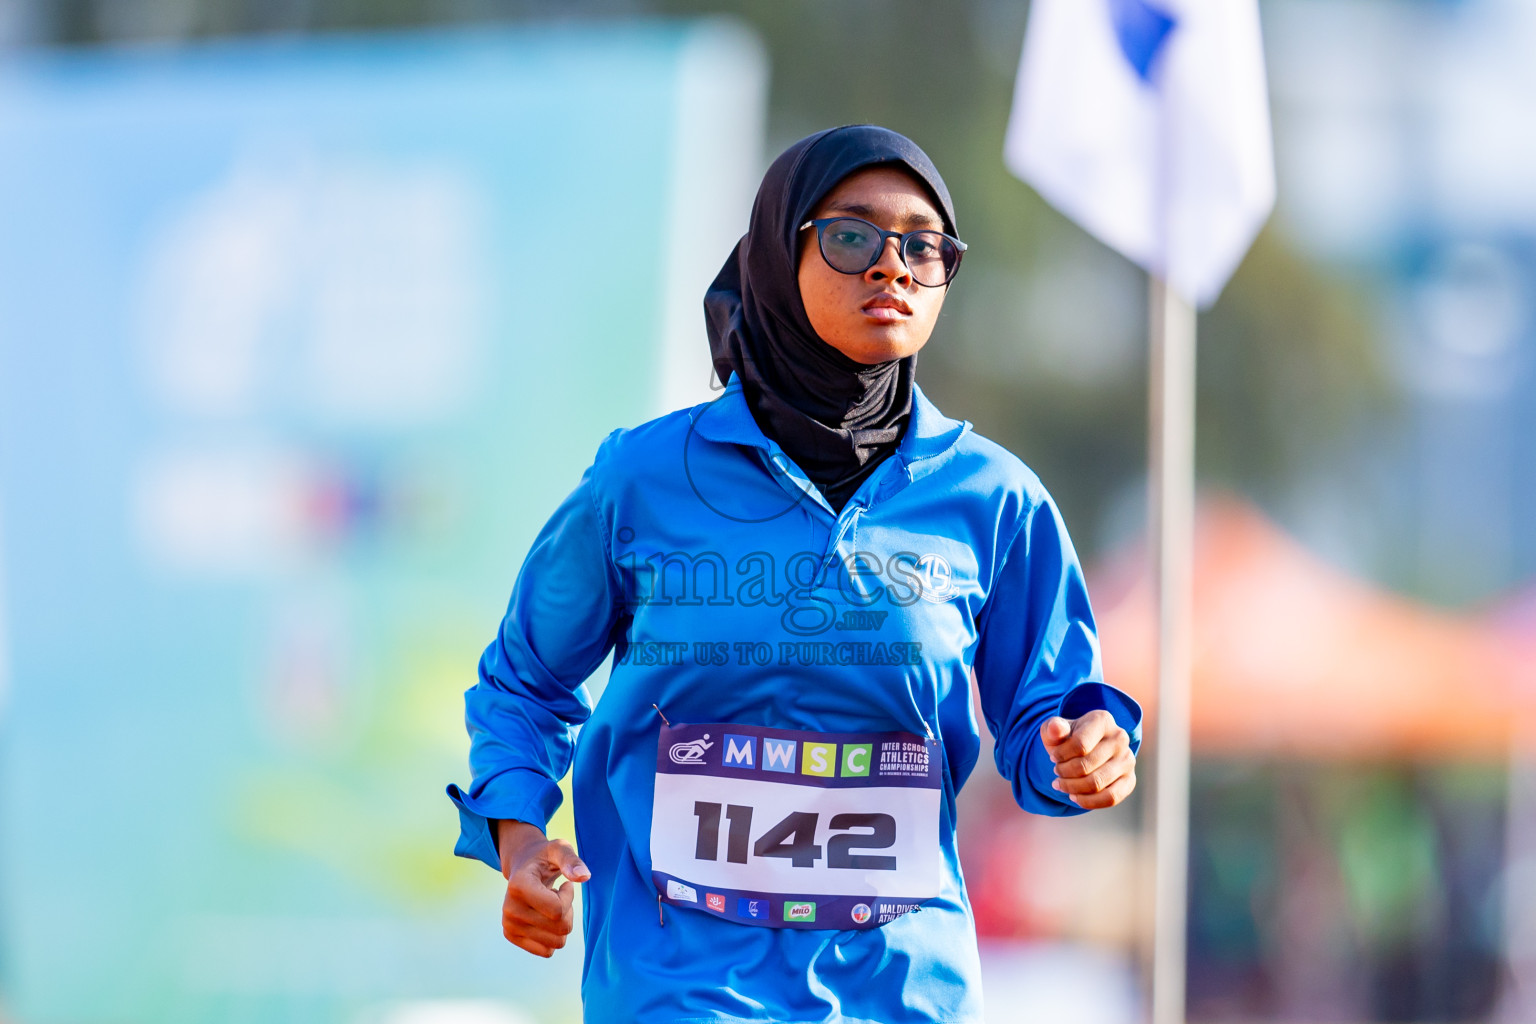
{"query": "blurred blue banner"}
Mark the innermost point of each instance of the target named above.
(300, 342)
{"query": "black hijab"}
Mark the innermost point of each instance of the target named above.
(836, 418)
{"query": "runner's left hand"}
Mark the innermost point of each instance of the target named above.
(1094, 763)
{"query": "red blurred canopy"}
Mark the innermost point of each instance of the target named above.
(1294, 657)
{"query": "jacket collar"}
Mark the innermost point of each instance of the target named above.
(729, 420)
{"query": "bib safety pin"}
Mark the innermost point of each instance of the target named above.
(669, 725)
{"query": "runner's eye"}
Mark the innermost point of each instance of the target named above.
(921, 248)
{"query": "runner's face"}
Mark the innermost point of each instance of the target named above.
(883, 313)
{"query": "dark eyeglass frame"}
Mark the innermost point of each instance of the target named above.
(820, 224)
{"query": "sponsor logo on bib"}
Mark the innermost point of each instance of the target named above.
(861, 913)
(679, 891)
(755, 909)
(799, 911)
(691, 752)
(714, 901)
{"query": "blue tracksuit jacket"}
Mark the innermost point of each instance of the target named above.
(731, 593)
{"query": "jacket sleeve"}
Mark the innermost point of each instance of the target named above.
(1038, 656)
(531, 696)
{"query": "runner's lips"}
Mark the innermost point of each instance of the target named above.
(887, 301)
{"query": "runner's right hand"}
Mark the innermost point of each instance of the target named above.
(535, 916)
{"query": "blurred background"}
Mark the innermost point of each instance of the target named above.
(291, 290)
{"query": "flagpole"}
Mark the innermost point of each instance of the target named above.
(1150, 129)
(1172, 465)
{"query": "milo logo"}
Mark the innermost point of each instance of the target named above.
(799, 911)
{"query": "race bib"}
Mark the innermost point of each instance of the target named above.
(790, 829)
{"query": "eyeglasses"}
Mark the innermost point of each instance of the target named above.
(851, 245)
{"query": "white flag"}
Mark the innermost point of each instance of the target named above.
(1147, 122)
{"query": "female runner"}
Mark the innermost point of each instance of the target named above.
(797, 581)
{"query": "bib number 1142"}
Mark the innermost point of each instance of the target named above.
(794, 838)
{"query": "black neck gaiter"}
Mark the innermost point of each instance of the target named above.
(836, 418)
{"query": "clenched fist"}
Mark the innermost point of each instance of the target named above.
(535, 916)
(1094, 763)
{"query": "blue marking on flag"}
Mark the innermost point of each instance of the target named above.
(1142, 30)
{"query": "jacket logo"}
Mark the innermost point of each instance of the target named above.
(938, 578)
(690, 751)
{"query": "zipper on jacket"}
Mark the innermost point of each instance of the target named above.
(845, 524)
